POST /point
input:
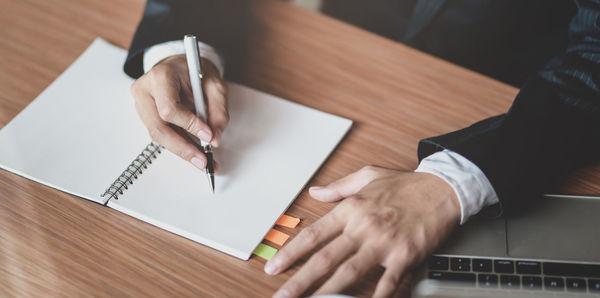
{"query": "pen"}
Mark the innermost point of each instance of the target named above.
(559, 196)
(192, 55)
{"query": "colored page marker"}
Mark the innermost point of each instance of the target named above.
(264, 251)
(277, 237)
(288, 221)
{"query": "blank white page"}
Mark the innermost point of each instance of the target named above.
(81, 132)
(270, 150)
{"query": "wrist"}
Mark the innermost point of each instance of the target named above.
(158, 53)
(473, 189)
(442, 198)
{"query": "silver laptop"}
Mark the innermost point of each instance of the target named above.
(551, 249)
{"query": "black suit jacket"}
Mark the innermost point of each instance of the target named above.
(553, 47)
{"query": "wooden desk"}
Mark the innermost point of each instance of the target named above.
(54, 244)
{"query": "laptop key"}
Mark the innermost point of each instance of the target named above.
(532, 282)
(529, 267)
(482, 265)
(504, 266)
(460, 279)
(510, 281)
(438, 263)
(460, 264)
(594, 285)
(554, 283)
(576, 284)
(571, 269)
(488, 280)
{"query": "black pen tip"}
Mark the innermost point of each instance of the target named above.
(211, 181)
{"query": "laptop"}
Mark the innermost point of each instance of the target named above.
(550, 249)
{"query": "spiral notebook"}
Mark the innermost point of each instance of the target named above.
(82, 136)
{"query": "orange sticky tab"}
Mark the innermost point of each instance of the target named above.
(288, 221)
(277, 237)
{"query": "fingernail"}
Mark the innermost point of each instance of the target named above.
(204, 135)
(198, 162)
(215, 142)
(272, 267)
(217, 139)
(282, 294)
(317, 188)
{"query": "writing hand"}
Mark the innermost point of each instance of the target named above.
(386, 217)
(164, 102)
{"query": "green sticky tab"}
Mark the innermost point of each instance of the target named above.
(264, 251)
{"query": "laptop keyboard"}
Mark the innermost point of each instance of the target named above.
(515, 274)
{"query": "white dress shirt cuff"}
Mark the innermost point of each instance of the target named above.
(159, 52)
(473, 189)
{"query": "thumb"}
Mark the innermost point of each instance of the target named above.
(346, 186)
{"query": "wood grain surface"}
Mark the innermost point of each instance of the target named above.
(54, 244)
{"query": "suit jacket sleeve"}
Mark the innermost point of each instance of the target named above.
(219, 23)
(552, 127)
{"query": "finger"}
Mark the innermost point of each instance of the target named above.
(346, 186)
(350, 271)
(170, 110)
(322, 230)
(317, 266)
(161, 133)
(216, 94)
(389, 280)
(170, 139)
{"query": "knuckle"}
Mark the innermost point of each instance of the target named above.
(408, 250)
(151, 74)
(310, 234)
(159, 74)
(184, 153)
(221, 120)
(388, 283)
(166, 112)
(368, 169)
(352, 236)
(336, 215)
(192, 125)
(419, 237)
(216, 86)
(349, 270)
(323, 259)
(389, 236)
(293, 287)
(389, 214)
(220, 86)
(371, 220)
(370, 172)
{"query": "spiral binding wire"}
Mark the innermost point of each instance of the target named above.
(132, 171)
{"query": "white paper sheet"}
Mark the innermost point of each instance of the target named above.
(80, 132)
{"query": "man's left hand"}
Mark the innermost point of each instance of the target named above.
(386, 217)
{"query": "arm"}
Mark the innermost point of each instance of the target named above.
(163, 94)
(395, 219)
(221, 24)
(552, 127)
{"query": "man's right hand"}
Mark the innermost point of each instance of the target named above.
(164, 101)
